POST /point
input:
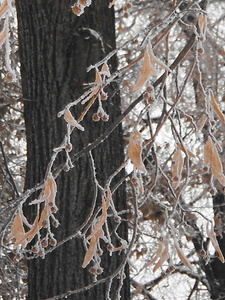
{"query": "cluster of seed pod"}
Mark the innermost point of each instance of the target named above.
(148, 95)
(78, 8)
(126, 10)
(100, 114)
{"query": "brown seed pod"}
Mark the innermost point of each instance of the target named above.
(76, 9)
(95, 118)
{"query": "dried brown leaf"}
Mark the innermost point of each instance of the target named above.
(157, 60)
(3, 34)
(208, 151)
(146, 70)
(105, 70)
(101, 221)
(17, 231)
(156, 256)
(3, 8)
(96, 90)
(201, 122)
(185, 150)
(181, 255)
(177, 167)
(34, 229)
(211, 157)
(202, 23)
(213, 239)
(50, 189)
(163, 257)
(92, 247)
(71, 121)
(216, 107)
(135, 150)
(44, 216)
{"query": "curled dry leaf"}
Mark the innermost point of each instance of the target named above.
(213, 239)
(212, 158)
(71, 121)
(135, 150)
(216, 107)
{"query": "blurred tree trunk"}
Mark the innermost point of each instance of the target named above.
(56, 47)
(215, 270)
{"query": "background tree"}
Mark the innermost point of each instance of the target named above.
(174, 131)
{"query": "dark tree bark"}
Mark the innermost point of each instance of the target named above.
(214, 269)
(56, 47)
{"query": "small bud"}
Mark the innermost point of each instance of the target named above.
(44, 243)
(145, 96)
(103, 96)
(109, 248)
(150, 100)
(44, 223)
(212, 192)
(148, 89)
(76, 9)
(66, 168)
(68, 147)
(206, 169)
(52, 242)
(83, 2)
(34, 249)
(99, 271)
(105, 118)
(55, 223)
(92, 270)
(17, 257)
(54, 209)
(95, 118)
(202, 252)
(117, 219)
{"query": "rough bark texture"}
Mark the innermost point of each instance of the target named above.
(56, 47)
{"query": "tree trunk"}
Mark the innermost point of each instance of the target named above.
(215, 271)
(56, 47)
